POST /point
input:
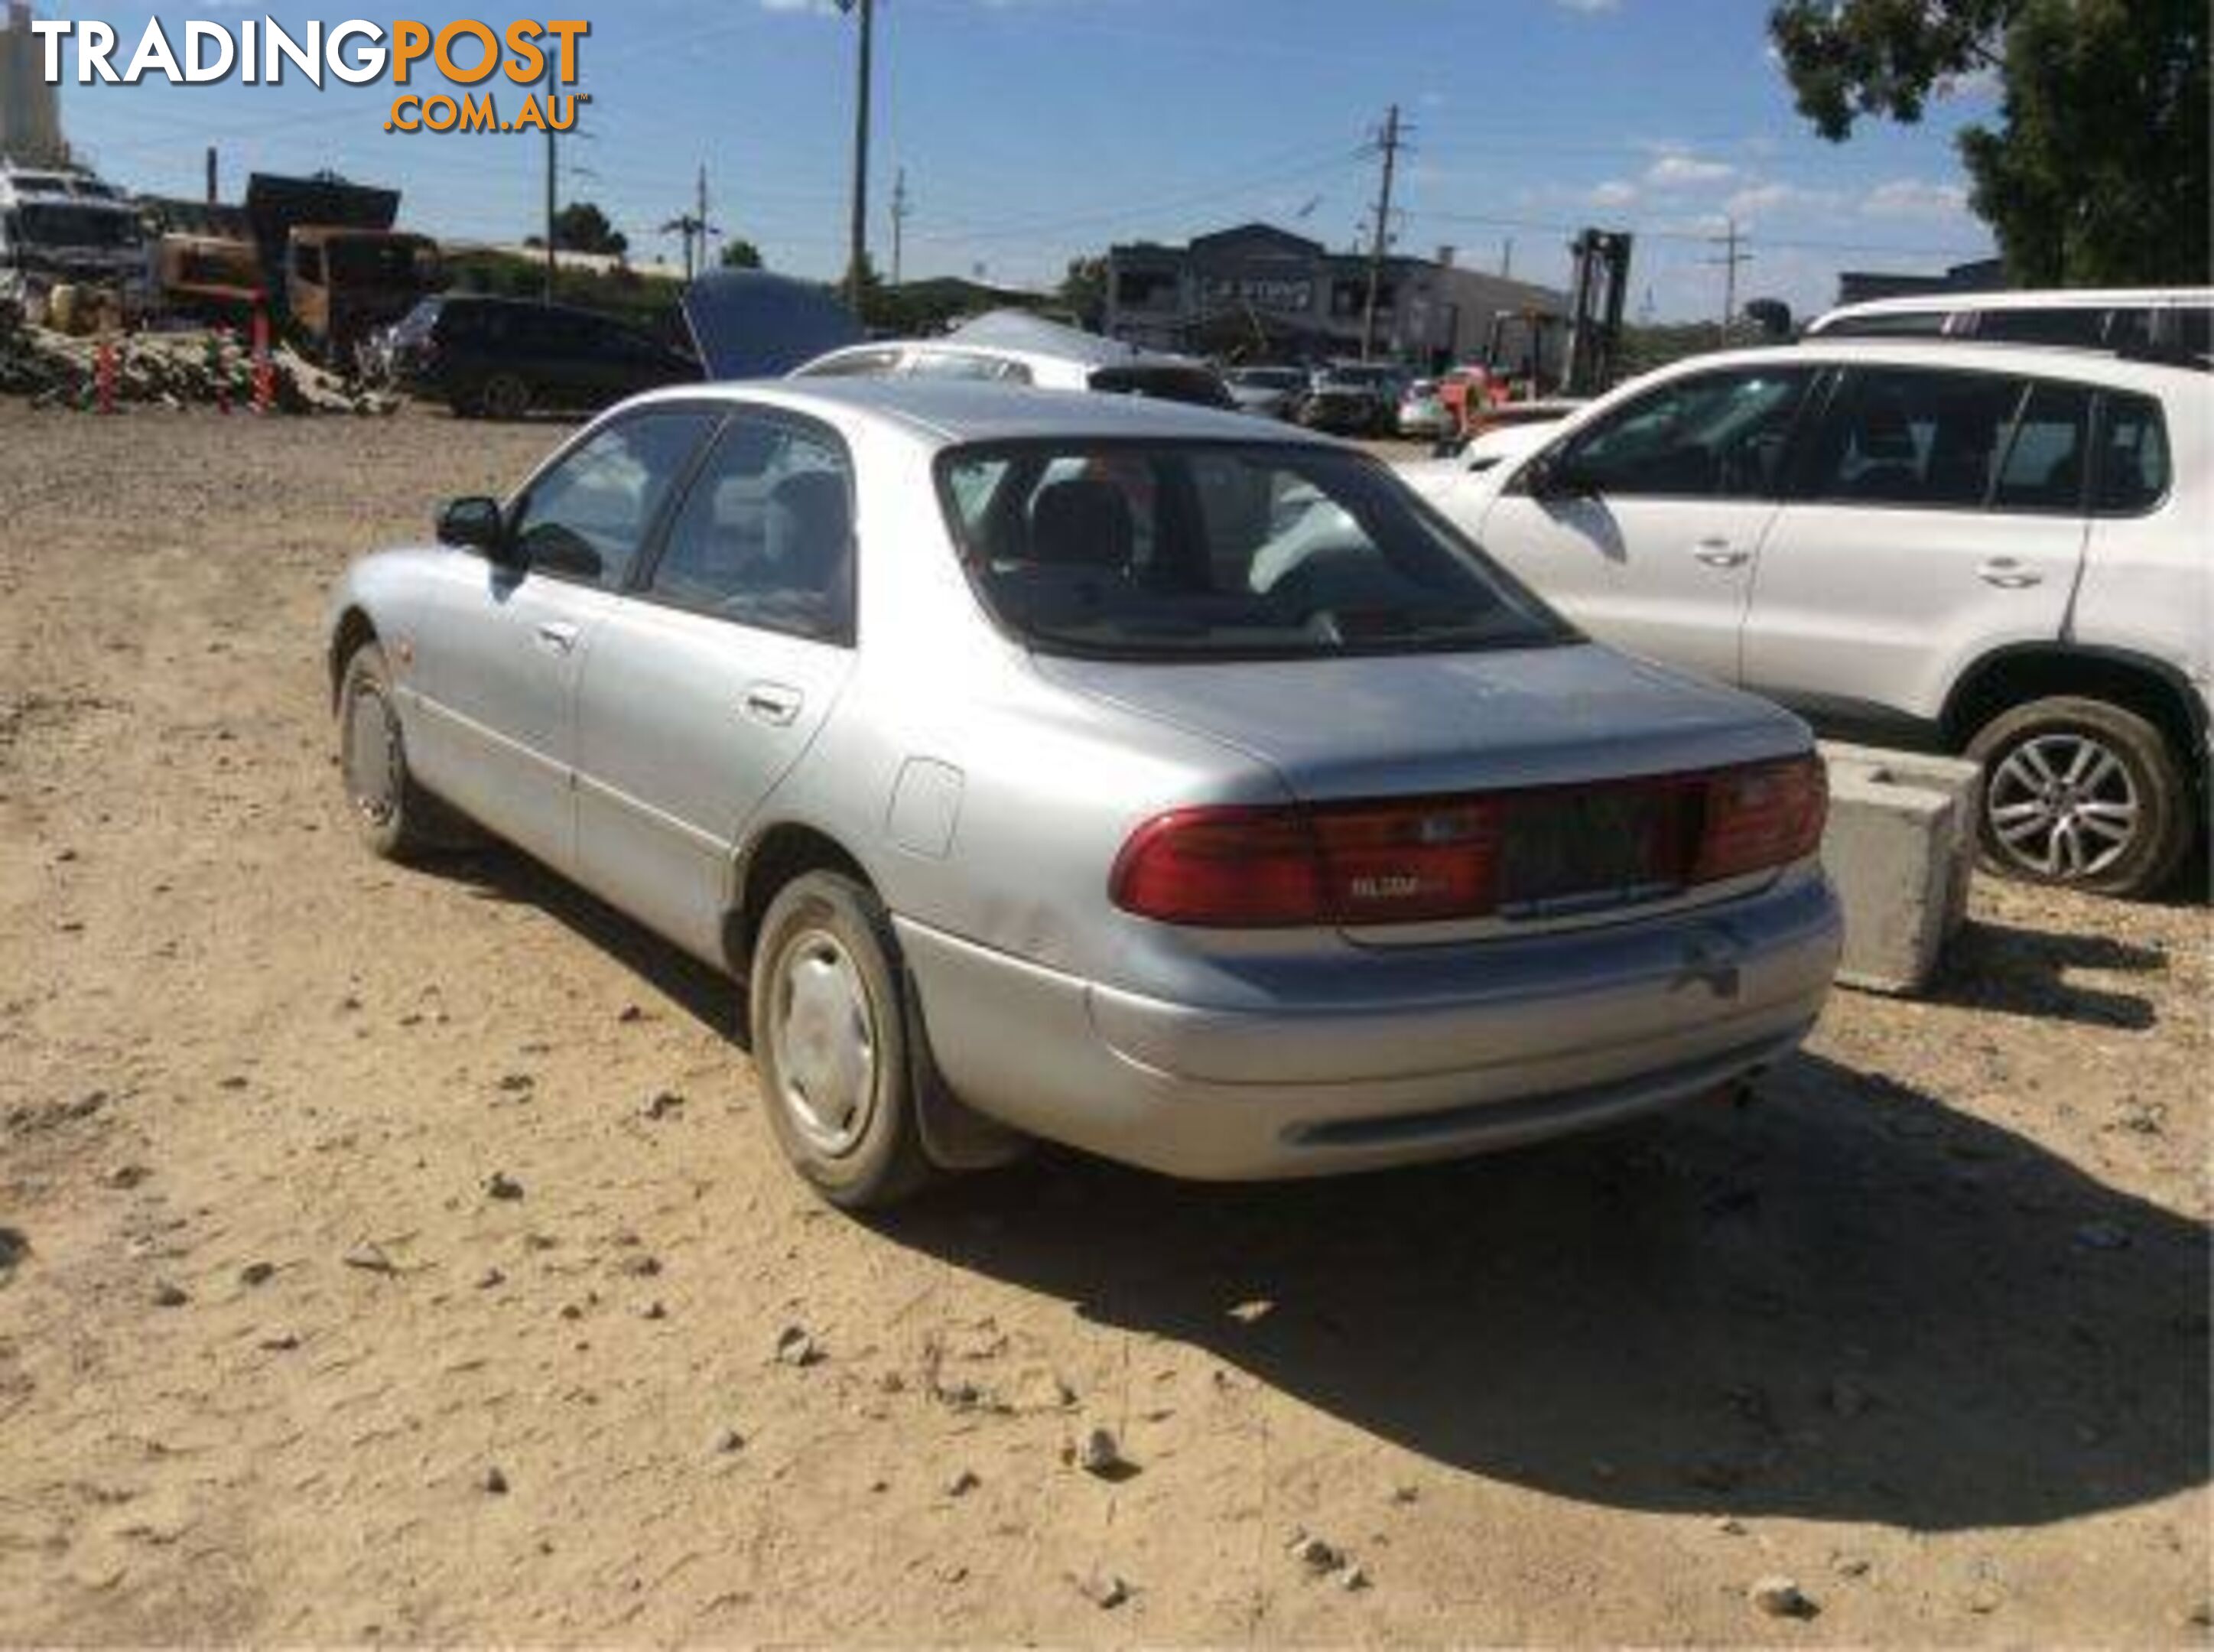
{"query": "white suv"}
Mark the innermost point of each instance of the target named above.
(1995, 550)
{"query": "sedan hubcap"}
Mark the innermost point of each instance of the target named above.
(372, 756)
(2063, 806)
(823, 1037)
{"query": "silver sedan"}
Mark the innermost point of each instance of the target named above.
(1096, 769)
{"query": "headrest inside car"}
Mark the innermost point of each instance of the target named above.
(1082, 523)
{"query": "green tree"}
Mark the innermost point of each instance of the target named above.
(2097, 173)
(739, 253)
(581, 227)
(1084, 290)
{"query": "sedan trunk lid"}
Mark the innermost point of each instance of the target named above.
(1416, 725)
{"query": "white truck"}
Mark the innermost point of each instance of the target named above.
(62, 226)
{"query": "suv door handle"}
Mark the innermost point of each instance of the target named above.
(557, 636)
(773, 703)
(2008, 574)
(1721, 554)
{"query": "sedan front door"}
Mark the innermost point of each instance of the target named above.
(708, 682)
(505, 643)
(1655, 518)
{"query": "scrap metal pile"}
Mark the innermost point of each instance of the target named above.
(167, 370)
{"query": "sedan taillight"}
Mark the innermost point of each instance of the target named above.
(1432, 859)
(1767, 815)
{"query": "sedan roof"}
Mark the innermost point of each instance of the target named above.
(950, 412)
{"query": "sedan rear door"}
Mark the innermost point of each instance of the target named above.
(710, 678)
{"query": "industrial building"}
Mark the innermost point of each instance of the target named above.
(1259, 292)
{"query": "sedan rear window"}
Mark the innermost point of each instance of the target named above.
(1222, 551)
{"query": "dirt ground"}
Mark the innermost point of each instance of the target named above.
(1924, 1330)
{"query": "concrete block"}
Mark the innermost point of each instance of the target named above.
(1901, 849)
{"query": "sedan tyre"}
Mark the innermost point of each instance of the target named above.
(2082, 794)
(832, 1045)
(398, 819)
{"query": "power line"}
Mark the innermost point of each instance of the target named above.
(1706, 237)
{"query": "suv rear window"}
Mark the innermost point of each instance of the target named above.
(2133, 458)
(1221, 551)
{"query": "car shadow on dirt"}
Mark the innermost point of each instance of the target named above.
(1846, 1302)
(500, 874)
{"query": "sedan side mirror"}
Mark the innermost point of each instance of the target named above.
(475, 524)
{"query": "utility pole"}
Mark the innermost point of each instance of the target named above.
(552, 166)
(899, 211)
(213, 196)
(1730, 260)
(1390, 144)
(858, 253)
(1507, 259)
(695, 229)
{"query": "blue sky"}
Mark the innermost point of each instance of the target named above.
(1032, 131)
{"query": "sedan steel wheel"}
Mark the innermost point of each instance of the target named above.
(824, 1029)
(2062, 806)
(372, 756)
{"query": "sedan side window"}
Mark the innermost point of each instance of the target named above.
(585, 518)
(765, 537)
(1715, 436)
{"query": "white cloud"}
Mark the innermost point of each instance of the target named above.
(1680, 170)
(1587, 6)
(1776, 196)
(1915, 198)
(1615, 192)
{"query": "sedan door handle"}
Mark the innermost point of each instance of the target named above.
(1721, 554)
(557, 635)
(2008, 574)
(773, 703)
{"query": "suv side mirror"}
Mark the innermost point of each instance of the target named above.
(475, 524)
(1555, 476)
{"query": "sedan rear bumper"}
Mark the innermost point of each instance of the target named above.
(1468, 1049)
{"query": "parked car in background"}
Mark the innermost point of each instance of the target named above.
(2156, 321)
(1354, 398)
(1094, 768)
(1015, 348)
(2000, 551)
(1268, 392)
(1422, 413)
(502, 357)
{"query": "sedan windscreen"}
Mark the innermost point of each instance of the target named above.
(1222, 551)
